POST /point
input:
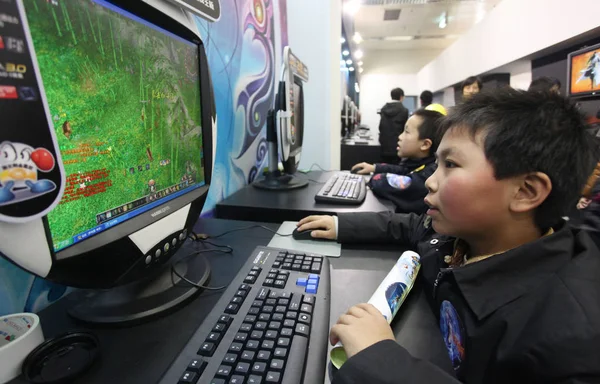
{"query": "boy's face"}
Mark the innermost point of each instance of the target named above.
(409, 144)
(470, 90)
(465, 198)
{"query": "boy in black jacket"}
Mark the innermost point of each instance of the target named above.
(516, 290)
(404, 184)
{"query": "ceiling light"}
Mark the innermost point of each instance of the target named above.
(345, 52)
(360, 63)
(360, 70)
(351, 69)
(342, 62)
(349, 62)
(443, 20)
(342, 40)
(357, 38)
(398, 38)
(351, 7)
(480, 14)
(356, 88)
(358, 54)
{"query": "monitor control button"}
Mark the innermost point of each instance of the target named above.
(157, 253)
(174, 241)
(166, 247)
(182, 236)
(148, 259)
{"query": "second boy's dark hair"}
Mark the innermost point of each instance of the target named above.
(527, 132)
(426, 98)
(397, 93)
(472, 80)
(430, 127)
(544, 84)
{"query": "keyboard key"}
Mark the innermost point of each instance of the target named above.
(246, 327)
(273, 377)
(269, 282)
(280, 353)
(283, 342)
(244, 287)
(241, 337)
(242, 368)
(232, 309)
(236, 347)
(241, 293)
(253, 273)
(287, 266)
(252, 345)
(268, 309)
(309, 299)
(287, 332)
(304, 318)
(257, 335)
(277, 264)
(259, 368)
(275, 325)
(307, 308)
(257, 303)
(284, 302)
(230, 358)
(289, 323)
(283, 277)
(279, 284)
(272, 276)
(216, 380)
(315, 268)
(318, 259)
(305, 268)
(214, 337)
(313, 282)
(280, 309)
(314, 276)
(295, 302)
(264, 317)
(287, 273)
(263, 355)
(312, 289)
(225, 319)
(277, 364)
(263, 294)
(271, 335)
(296, 360)
(302, 329)
(255, 268)
(247, 356)
(196, 365)
(296, 267)
(254, 379)
(189, 378)
(207, 349)
(250, 279)
(277, 317)
(273, 295)
(272, 302)
(249, 319)
(291, 315)
(260, 325)
(219, 327)
(236, 379)
(224, 370)
(268, 344)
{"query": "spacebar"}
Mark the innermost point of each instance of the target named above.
(295, 365)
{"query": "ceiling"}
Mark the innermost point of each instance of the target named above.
(417, 25)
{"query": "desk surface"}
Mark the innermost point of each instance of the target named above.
(142, 353)
(250, 203)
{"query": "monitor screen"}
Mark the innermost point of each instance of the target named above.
(124, 97)
(297, 119)
(584, 76)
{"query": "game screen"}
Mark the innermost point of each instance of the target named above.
(124, 97)
(585, 72)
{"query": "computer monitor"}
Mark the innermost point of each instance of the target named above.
(285, 127)
(583, 74)
(129, 94)
(345, 116)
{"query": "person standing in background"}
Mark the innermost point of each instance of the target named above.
(471, 86)
(426, 98)
(545, 84)
(393, 119)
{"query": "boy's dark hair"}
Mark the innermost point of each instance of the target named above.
(544, 84)
(426, 98)
(430, 127)
(472, 80)
(397, 93)
(527, 132)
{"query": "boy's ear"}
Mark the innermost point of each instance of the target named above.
(533, 190)
(426, 145)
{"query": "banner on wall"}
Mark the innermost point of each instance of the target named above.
(209, 9)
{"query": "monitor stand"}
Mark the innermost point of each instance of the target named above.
(279, 181)
(145, 299)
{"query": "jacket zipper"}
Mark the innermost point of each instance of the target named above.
(440, 276)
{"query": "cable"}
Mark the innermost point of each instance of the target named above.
(199, 286)
(318, 166)
(204, 236)
(317, 181)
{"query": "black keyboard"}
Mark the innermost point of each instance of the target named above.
(343, 188)
(260, 331)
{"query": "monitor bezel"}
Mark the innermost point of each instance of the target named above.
(569, 79)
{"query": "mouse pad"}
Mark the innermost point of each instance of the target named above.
(326, 248)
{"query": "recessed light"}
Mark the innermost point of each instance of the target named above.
(349, 62)
(358, 54)
(345, 52)
(351, 69)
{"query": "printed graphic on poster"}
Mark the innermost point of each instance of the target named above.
(208, 9)
(31, 176)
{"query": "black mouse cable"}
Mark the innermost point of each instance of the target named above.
(205, 236)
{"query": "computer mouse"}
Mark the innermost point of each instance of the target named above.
(356, 170)
(305, 235)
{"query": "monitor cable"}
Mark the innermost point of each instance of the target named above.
(227, 249)
(202, 237)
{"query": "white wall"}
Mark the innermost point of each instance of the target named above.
(315, 38)
(397, 61)
(375, 92)
(512, 30)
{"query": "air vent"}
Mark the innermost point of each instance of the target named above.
(391, 14)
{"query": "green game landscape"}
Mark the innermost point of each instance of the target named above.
(123, 92)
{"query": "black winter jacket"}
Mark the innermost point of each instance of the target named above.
(391, 125)
(529, 315)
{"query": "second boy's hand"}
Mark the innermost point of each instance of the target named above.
(361, 327)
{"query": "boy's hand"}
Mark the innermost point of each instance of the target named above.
(362, 326)
(583, 203)
(323, 226)
(366, 168)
